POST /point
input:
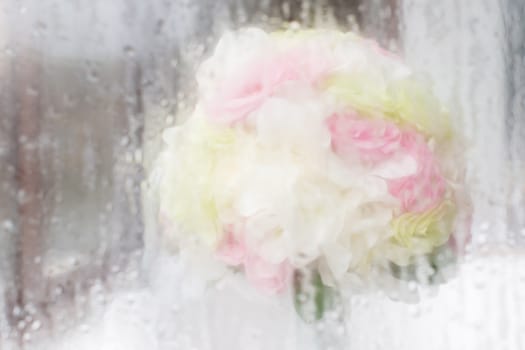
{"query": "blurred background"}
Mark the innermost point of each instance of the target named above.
(87, 86)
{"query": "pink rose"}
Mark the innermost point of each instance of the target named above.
(426, 187)
(374, 141)
(271, 278)
(245, 92)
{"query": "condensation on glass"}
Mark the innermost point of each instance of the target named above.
(86, 88)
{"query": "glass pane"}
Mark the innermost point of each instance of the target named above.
(86, 91)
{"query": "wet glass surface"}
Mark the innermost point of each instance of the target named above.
(86, 88)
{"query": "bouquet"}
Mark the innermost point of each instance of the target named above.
(313, 160)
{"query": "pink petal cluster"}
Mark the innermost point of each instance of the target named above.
(268, 277)
(244, 93)
(374, 141)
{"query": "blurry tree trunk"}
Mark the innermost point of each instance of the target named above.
(29, 196)
(29, 293)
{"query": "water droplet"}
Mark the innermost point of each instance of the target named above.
(414, 310)
(124, 141)
(8, 225)
(36, 325)
(21, 196)
(295, 25)
(484, 226)
(128, 157)
(69, 101)
(31, 91)
(412, 286)
(92, 76)
(303, 298)
(129, 50)
(175, 308)
(58, 291)
(138, 156)
(17, 311)
(30, 308)
(41, 25)
(10, 52)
